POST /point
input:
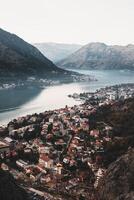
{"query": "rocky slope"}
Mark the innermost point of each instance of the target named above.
(18, 58)
(9, 190)
(100, 56)
(57, 51)
(118, 183)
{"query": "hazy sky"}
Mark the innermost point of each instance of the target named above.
(69, 21)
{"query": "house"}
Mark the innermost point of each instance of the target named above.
(60, 142)
(95, 133)
(51, 119)
(45, 179)
(21, 164)
(10, 142)
(48, 162)
(58, 169)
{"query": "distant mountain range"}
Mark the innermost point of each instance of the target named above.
(100, 56)
(20, 59)
(57, 51)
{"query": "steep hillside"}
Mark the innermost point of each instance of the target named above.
(100, 56)
(119, 115)
(118, 183)
(18, 58)
(9, 190)
(57, 51)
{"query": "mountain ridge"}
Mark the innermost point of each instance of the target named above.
(19, 58)
(100, 56)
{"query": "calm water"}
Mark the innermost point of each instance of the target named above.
(15, 103)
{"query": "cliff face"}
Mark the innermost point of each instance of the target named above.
(100, 56)
(118, 183)
(9, 190)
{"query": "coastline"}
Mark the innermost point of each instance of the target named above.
(102, 95)
(34, 100)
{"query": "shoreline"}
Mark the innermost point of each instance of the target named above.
(83, 98)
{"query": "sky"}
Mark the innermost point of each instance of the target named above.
(69, 21)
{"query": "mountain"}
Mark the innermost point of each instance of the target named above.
(100, 56)
(20, 59)
(118, 183)
(57, 51)
(9, 189)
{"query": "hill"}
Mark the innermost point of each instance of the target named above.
(100, 56)
(57, 51)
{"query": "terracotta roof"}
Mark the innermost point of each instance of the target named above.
(44, 157)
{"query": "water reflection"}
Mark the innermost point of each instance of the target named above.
(33, 100)
(14, 98)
